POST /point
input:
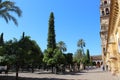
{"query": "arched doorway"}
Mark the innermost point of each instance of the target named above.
(98, 64)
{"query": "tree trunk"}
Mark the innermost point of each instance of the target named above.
(52, 69)
(32, 69)
(17, 69)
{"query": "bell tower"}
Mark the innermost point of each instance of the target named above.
(104, 23)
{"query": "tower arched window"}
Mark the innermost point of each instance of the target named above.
(103, 49)
(103, 13)
(105, 2)
(107, 11)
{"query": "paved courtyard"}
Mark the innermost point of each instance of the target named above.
(96, 74)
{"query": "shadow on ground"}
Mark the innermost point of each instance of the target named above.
(63, 73)
(24, 78)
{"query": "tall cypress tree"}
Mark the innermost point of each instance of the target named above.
(51, 33)
(88, 56)
(1, 39)
(23, 35)
(49, 53)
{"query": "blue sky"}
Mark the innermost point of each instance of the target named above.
(74, 19)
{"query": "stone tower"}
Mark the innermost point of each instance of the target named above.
(104, 22)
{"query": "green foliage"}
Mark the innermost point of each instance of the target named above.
(6, 8)
(78, 56)
(51, 61)
(84, 60)
(94, 63)
(51, 33)
(50, 52)
(59, 57)
(88, 56)
(1, 40)
(49, 56)
(46, 56)
(69, 58)
(81, 43)
(24, 52)
(31, 50)
(61, 46)
(7, 59)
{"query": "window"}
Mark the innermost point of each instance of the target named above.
(103, 27)
(107, 11)
(105, 2)
(103, 49)
(103, 13)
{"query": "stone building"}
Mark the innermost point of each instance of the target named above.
(97, 60)
(104, 23)
(111, 46)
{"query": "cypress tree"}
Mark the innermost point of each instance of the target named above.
(1, 39)
(49, 53)
(23, 35)
(51, 33)
(88, 56)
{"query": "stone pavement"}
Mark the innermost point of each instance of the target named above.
(95, 74)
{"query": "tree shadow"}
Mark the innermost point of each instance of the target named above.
(62, 73)
(24, 78)
(71, 73)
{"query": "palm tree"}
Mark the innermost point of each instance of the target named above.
(61, 46)
(6, 7)
(81, 44)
